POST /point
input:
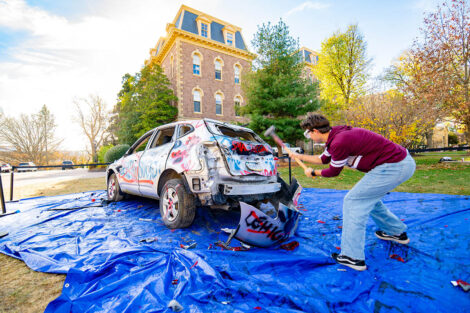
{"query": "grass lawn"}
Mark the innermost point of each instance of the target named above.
(23, 290)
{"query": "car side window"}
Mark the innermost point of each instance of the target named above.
(164, 136)
(142, 144)
(185, 129)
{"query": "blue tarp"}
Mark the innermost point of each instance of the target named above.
(119, 257)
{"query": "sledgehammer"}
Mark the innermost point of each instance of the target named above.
(270, 132)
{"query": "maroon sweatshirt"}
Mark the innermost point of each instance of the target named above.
(358, 148)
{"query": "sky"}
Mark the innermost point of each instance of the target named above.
(56, 51)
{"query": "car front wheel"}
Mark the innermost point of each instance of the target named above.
(177, 206)
(114, 191)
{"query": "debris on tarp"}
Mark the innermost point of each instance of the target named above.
(175, 306)
(464, 285)
(290, 246)
(397, 257)
(190, 246)
(148, 240)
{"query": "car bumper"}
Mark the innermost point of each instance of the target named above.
(250, 189)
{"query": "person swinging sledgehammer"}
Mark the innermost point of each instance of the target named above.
(386, 165)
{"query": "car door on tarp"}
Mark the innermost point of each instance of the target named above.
(128, 173)
(153, 161)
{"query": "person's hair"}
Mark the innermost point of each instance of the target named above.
(316, 121)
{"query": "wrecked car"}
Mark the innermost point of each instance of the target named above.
(196, 163)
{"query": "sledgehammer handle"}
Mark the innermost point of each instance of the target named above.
(281, 143)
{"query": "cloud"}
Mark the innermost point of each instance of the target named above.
(59, 59)
(308, 5)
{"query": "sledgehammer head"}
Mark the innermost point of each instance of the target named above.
(270, 131)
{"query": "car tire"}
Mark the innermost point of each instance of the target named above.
(114, 191)
(183, 213)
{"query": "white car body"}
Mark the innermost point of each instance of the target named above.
(5, 168)
(29, 169)
(220, 164)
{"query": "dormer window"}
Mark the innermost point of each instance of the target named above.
(203, 26)
(204, 30)
(230, 39)
(229, 35)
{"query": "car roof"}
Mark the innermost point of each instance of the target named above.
(194, 121)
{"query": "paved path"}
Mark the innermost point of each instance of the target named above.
(51, 176)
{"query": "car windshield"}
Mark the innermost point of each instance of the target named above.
(24, 164)
(67, 162)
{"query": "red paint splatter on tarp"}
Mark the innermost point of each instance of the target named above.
(402, 220)
(290, 246)
(257, 308)
(92, 200)
(323, 235)
(397, 257)
(118, 210)
(172, 230)
(320, 221)
(174, 282)
(193, 265)
(338, 248)
(446, 225)
(340, 227)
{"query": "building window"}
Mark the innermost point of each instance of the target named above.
(196, 64)
(218, 70)
(204, 30)
(218, 104)
(197, 101)
(230, 39)
(237, 74)
(237, 106)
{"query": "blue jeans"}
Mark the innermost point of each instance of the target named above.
(366, 198)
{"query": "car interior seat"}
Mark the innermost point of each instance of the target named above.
(166, 139)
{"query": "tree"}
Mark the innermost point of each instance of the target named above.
(443, 60)
(144, 102)
(342, 69)
(391, 115)
(47, 124)
(411, 80)
(92, 117)
(277, 92)
(30, 137)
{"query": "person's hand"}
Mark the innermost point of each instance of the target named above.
(308, 172)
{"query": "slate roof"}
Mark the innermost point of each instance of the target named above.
(189, 24)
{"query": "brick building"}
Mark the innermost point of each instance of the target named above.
(310, 59)
(204, 58)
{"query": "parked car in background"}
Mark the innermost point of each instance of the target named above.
(290, 147)
(29, 169)
(192, 163)
(5, 168)
(67, 165)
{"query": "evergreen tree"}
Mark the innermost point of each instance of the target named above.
(278, 92)
(144, 102)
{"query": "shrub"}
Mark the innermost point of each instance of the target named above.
(115, 153)
(102, 152)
